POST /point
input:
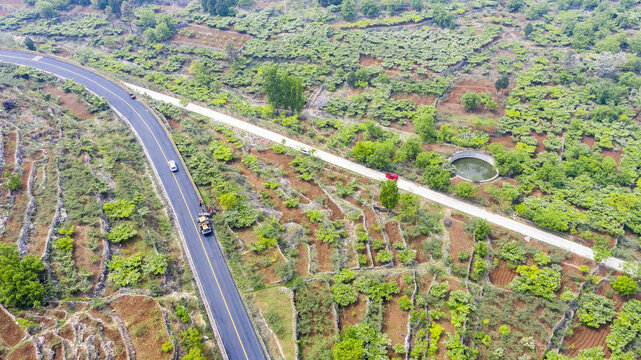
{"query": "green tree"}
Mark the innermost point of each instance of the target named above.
(389, 195)
(13, 182)
(361, 342)
(436, 177)
(417, 5)
(348, 10)
(442, 17)
(369, 8)
(424, 123)
(515, 5)
(595, 310)
(625, 285)
(409, 150)
(46, 9)
(218, 7)
(465, 190)
(471, 101)
(283, 91)
(20, 284)
(502, 82)
(481, 230)
(28, 43)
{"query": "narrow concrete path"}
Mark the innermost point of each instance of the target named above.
(476, 211)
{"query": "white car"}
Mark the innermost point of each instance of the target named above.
(172, 165)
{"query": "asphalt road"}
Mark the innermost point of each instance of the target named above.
(239, 338)
(452, 202)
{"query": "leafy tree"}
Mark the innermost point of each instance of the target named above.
(514, 253)
(417, 5)
(541, 282)
(625, 285)
(442, 17)
(502, 83)
(125, 271)
(405, 303)
(515, 5)
(283, 91)
(384, 256)
(361, 342)
(406, 256)
(369, 8)
(20, 284)
(624, 330)
(504, 330)
(408, 150)
(121, 232)
(344, 276)
(595, 310)
(465, 190)
(481, 229)
(28, 43)
(119, 209)
(436, 177)
(228, 200)
(348, 10)
(471, 101)
(389, 195)
(424, 123)
(344, 294)
(46, 9)
(218, 7)
(375, 288)
(542, 258)
(13, 182)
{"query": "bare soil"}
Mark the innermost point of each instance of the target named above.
(353, 314)
(502, 275)
(506, 140)
(586, 337)
(26, 351)
(209, 37)
(452, 105)
(83, 256)
(10, 332)
(143, 318)
(70, 101)
(459, 240)
(394, 319)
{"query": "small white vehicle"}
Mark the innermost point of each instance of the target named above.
(172, 165)
(306, 151)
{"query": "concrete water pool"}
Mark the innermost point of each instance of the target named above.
(474, 166)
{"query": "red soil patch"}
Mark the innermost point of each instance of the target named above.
(367, 60)
(26, 351)
(267, 263)
(453, 103)
(585, 337)
(16, 216)
(66, 332)
(82, 255)
(459, 241)
(589, 140)
(323, 252)
(10, 332)
(615, 154)
(353, 314)
(143, 318)
(56, 346)
(506, 140)
(307, 188)
(539, 139)
(206, 36)
(394, 319)
(394, 235)
(9, 151)
(440, 148)
(416, 98)
(70, 101)
(302, 260)
(502, 275)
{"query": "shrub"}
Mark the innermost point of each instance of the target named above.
(514, 253)
(167, 347)
(182, 313)
(376, 289)
(504, 330)
(292, 202)
(20, 278)
(389, 195)
(125, 271)
(119, 209)
(542, 258)
(405, 303)
(384, 256)
(314, 216)
(538, 282)
(13, 182)
(625, 285)
(406, 256)
(595, 310)
(121, 232)
(344, 294)
(465, 190)
(344, 276)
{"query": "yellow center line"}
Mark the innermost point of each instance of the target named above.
(179, 188)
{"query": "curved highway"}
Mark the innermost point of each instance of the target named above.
(220, 295)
